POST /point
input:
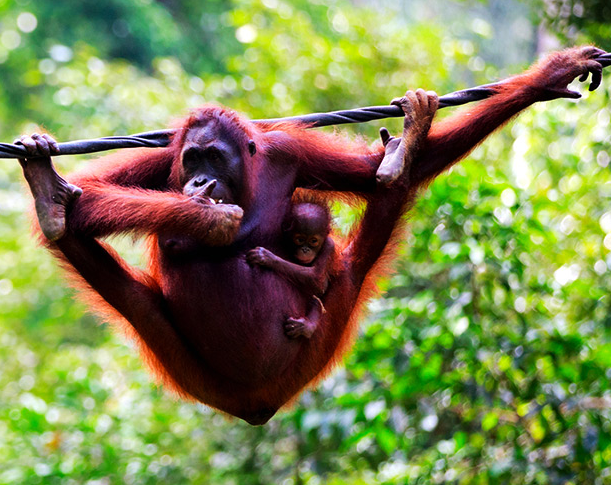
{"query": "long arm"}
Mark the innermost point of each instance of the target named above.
(129, 193)
(330, 162)
(396, 192)
(453, 138)
(104, 210)
(324, 161)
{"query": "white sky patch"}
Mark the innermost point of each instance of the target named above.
(567, 274)
(60, 53)
(26, 22)
(520, 304)
(429, 423)
(460, 326)
(600, 267)
(508, 198)
(605, 222)
(519, 167)
(246, 34)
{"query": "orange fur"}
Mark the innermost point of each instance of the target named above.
(208, 325)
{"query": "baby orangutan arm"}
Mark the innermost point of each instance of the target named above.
(310, 279)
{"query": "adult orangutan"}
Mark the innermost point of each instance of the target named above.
(209, 324)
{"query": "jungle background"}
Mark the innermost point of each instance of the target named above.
(488, 358)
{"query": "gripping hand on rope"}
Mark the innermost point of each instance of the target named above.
(419, 108)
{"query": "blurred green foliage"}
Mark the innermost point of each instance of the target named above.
(487, 359)
(578, 20)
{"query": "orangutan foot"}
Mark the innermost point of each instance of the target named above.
(52, 194)
(299, 327)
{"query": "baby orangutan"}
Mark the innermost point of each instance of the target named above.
(306, 232)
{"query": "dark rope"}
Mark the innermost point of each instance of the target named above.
(156, 139)
(362, 115)
(161, 138)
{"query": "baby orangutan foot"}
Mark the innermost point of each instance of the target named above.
(52, 194)
(299, 327)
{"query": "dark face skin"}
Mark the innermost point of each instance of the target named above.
(308, 231)
(212, 165)
(307, 245)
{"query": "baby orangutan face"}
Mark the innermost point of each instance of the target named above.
(309, 227)
(307, 246)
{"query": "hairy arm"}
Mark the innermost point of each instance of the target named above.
(453, 138)
(130, 192)
(324, 161)
(383, 217)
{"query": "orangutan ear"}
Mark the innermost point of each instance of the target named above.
(252, 147)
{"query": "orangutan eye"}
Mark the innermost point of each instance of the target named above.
(191, 157)
(212, 154)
